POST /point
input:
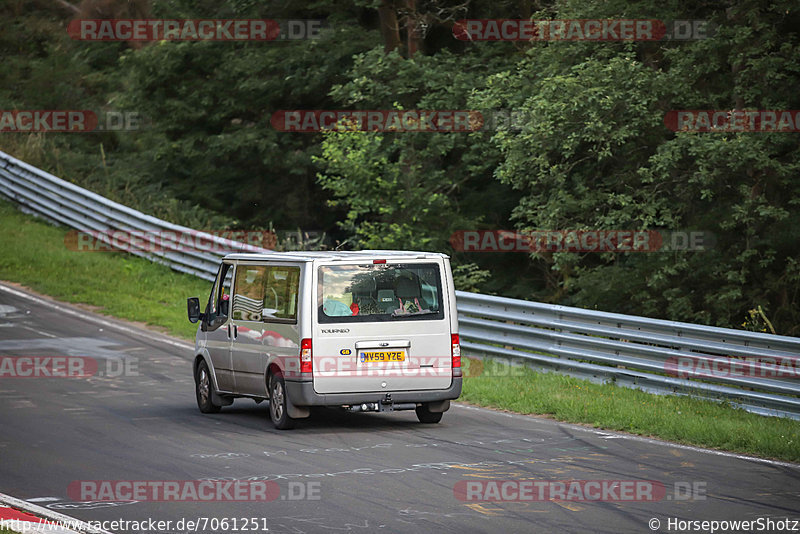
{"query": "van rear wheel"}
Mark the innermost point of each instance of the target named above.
(278, 401)
(426, 416)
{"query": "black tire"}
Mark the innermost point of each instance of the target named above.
(426, 416)
(278, 403)
(203, 389)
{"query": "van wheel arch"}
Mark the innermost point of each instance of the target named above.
(216, 399)
(197, 359)
(292, 412)
(204, 388)
(425, 415)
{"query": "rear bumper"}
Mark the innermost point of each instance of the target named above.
(301, 393)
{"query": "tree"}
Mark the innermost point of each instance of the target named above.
(595, 154)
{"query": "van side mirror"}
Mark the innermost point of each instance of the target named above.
(224, 307)
(193, 309)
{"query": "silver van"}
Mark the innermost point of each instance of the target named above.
(372, 330)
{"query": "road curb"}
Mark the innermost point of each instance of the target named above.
(39, 519)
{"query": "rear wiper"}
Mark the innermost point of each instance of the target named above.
(421, 312)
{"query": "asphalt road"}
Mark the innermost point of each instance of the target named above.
(364, 472)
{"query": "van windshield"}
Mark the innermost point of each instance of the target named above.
(379, 292)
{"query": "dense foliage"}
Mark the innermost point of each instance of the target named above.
(592, 153)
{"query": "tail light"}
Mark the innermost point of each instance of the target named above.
(305, 355)
(455, 351)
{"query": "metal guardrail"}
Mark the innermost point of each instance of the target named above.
(759, 372)
(40, 193)
(664, 357)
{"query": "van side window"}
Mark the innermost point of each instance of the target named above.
(219, 292)
(280, 293)
(248, 292)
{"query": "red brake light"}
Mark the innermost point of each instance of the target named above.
(305, 355)
(378, 261)
(455, 350)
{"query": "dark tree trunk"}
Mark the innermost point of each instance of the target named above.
(390, 29)
(412, 34)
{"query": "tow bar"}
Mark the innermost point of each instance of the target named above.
(385, 405)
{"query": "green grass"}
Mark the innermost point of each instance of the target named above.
(33, 254)
(675, 418)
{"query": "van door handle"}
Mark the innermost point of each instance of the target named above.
(235, 331)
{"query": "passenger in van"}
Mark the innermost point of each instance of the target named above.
(387, 301)
(364, 297)
(224, 303)
(408, 290)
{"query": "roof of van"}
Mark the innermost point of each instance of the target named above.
(308, 255)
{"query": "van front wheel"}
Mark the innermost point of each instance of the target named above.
(278, 403)
(204, 389)
(426, 416)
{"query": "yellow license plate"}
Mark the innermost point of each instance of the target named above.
(383, 356)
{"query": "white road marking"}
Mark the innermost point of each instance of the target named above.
(22, 403)
(45, 334)
(71, 346)
(5, 309)
(85, 316)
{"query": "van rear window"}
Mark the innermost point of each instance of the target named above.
(379, 292)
